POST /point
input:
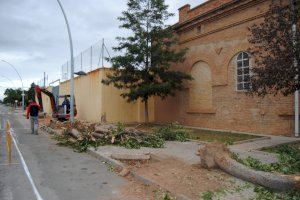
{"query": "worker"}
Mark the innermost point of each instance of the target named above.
(32, 112)
(66, 104)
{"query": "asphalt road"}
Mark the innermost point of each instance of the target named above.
(57, 172)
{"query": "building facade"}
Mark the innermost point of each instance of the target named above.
(216, 34)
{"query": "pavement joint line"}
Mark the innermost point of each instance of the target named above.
(35, 190)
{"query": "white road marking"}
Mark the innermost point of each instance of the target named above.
(9, 164)
(34, 188)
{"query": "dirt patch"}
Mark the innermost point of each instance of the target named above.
(180, 178)
(45, 120)
(134, 190)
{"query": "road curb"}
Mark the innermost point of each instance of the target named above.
(138, 177)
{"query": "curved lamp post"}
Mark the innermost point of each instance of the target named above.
(23, 94)
(72, 64)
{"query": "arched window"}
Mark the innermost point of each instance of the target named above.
(243, 72)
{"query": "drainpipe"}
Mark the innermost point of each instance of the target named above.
(294, 32)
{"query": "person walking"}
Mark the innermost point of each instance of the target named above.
(32, 112)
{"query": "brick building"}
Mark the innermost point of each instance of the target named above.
(216, 33)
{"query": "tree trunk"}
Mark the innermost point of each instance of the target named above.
(146, 112)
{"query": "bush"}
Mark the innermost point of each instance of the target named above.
(172, 132)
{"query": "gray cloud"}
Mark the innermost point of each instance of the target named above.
(33, 35)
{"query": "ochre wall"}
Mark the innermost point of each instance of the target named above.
(96, 102)
(223, 35)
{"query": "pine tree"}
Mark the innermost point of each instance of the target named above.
(276, 51)
(143, 67)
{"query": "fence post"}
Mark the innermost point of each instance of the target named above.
(67, 70)
(91, 58)
(81, 61)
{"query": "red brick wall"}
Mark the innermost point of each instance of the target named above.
(219, 43)
(202, 8)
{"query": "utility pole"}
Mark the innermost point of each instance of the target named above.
(294, 35)
(44, 79)
(91, 58)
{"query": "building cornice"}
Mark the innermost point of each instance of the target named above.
(217, 13)
(223, 28)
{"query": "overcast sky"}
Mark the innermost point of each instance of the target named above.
(33, 36)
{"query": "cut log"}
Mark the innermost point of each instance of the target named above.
(98, 135)
(104, 128)
(216, 154)
(75, 133)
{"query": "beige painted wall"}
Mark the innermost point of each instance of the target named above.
(96, 102)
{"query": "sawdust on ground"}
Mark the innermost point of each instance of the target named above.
(177, 177)
(135, 190)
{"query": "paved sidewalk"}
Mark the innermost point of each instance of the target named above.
(252, 149)
(273, 141)
(186, 151)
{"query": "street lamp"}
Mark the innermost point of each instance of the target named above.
(72, 64)
(23, 94)
(80, 73)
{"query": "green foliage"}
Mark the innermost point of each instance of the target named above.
(167, 197)
(288, 163)
(16, 94)
(78, 145)
(11, 95)
(136, 141)
(256, 164)
(222, 136)
(272, 47)
(207, 195)
(288, 160)
(117, 136)
(142, 67)
(153, 141)
(172, 132)
(266, 194)
(120, 137)
(30, 94)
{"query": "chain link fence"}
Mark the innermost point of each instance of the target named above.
(88, 60)
(43, 82)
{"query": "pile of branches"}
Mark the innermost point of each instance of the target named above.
(81, 136)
